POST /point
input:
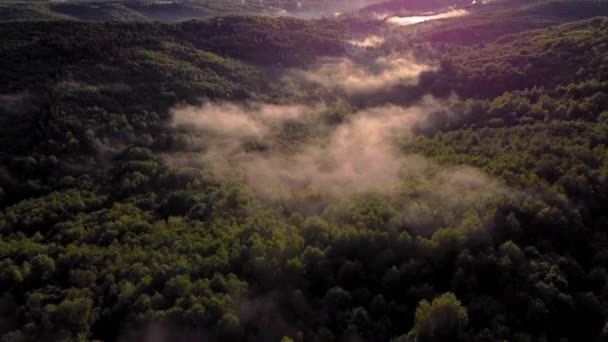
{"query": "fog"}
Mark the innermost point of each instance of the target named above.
(353, 78)
(238, 121)
(295, 155)
(362, 154)
(371, 41)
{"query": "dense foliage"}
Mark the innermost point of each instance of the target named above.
(106, 235)
(168, 11)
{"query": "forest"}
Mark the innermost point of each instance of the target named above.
(241, 176)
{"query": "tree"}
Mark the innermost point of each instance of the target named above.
(74, 315)
(441, 320)
(42, 267)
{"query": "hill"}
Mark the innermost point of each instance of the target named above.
(258, 178)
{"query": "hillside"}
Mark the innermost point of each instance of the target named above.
(170, 11)
(257, 178)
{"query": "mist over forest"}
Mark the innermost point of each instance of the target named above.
(313, 170)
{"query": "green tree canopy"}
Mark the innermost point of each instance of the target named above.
(443, 319)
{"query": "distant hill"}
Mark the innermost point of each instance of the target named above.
(212, 180)
(98, 11)
(171, 11)
(27, 11)
(487, 22)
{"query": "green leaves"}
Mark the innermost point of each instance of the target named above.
(109, 222)
(442, 319)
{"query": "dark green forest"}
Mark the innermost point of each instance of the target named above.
(175, 11)
(126, 215)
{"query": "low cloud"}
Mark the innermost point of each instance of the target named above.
(440, 196)
(348, 76)
(238, 121)
(371, 41)
(360, 155)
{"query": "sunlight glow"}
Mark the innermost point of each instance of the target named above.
(404, 21)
